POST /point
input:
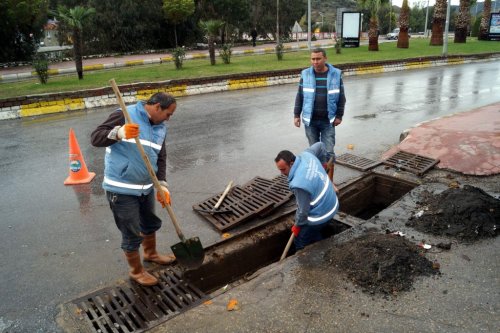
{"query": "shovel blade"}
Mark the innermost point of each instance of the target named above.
(190, 253)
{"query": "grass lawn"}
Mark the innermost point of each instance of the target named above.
(419, 47)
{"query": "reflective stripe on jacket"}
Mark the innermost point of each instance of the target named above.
(124, 169)
(308, 174)
(309, 91)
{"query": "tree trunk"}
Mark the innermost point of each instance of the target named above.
(373, 35)
(438, 22)
(462, 22)
(403, 39)
(485, 21)
(77, 49)
(175, 35)
(211, 50)
(404, 23)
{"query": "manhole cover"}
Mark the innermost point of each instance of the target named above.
(356, 162)
(133, 308)
(414, 163)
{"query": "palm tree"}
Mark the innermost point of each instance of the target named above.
(404, 23)
(438, 21)
(75, 19)
(373, 6)
(462, 22)
(485, 21)
(211, 29)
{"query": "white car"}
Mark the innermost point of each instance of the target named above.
(394, 34)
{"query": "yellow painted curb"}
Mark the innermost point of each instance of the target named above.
(93, 67)
(134, 62)
(370, 70)
(199, 56)
(36, 109)
(247, 83)
(419, 64)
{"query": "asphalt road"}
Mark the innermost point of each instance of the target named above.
(59, 242)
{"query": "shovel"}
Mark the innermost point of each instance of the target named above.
(189, 253)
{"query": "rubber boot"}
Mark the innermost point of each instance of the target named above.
(137, 272)
(150, 254)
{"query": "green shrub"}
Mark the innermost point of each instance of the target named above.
(338, 45)
(225, 52)
(179, 54)
(41, 65)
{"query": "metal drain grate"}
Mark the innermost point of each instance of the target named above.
(414, 163)
(275, 190)
(356, 162)
(133, 308)
(259, 197)
(239, 205)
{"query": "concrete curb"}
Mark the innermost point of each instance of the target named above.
(28, 106)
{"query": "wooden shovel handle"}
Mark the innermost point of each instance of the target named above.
(147, 162)
(228, 187)
(287, 247)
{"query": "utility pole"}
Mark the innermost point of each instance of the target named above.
(309, 24)
(277, 22)
(426, 34)
(390, 16)
(446, 27)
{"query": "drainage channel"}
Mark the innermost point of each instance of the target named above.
(230, 262)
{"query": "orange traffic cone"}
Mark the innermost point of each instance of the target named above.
(78, 173)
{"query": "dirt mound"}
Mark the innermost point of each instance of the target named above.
(381, 263)
(466, 213)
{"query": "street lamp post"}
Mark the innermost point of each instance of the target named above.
(426, 34)
(277, 22)
(309, 24)
(390, 17)
(322, 23)
(446, 29)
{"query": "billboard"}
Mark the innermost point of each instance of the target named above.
(351, 35)
(494, 31)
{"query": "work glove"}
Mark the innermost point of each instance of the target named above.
(128, 131)
(163, 185)
(296, 230)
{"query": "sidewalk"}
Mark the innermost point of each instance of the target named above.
(65, 67)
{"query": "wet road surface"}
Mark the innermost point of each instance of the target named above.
(59, 242)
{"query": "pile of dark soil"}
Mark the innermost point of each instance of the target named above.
(381, 263)
(466, 213)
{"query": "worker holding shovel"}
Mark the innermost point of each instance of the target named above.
(317, 202)
(128, 185)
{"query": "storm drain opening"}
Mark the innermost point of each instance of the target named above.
(129, 307)
(372, 193)
(237, 261)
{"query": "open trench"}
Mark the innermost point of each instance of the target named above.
(129, 307)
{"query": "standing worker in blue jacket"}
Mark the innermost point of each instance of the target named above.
(320, 101)
(317, 202)
(128, 185)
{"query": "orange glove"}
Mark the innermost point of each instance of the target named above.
(296, 230)
(167, 197)
(128, 131)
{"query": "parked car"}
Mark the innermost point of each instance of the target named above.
(395, 34)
